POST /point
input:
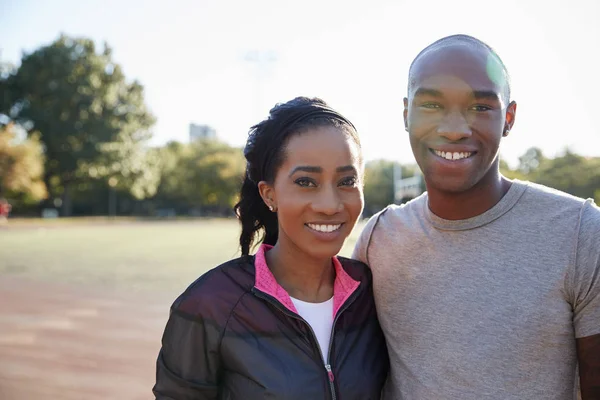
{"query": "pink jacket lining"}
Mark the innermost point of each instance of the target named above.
(343, 286)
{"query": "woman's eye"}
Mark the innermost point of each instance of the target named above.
(349, 181)
(305, 182)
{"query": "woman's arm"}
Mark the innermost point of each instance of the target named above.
(189, 363)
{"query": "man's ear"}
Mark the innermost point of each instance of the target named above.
(267, 193)
(509, 119)
(405, 114)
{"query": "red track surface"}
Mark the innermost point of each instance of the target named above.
(65, 342)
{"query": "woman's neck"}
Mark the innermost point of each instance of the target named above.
(302, 276)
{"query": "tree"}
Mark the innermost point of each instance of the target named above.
(205, 174)
(570, 172)
(508, 172)
(92, 122)
(379, 183)
(218, 173)
(532, 160)
(21, 166)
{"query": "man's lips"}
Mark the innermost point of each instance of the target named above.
(453, 154)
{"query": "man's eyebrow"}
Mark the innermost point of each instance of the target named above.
(306, 168)
(486, 94)
(428, 92)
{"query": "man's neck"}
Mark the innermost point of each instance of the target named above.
(471, 203)
(303, 277)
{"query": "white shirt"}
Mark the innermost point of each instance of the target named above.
(320, 317)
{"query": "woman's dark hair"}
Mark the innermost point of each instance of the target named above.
(265, 153)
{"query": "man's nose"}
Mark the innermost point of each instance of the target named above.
(454, 127)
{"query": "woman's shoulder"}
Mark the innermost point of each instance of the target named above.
(358, 270)
(218, 290)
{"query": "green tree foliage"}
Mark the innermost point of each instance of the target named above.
(379, 183)
(93, 123)
(570, 172)
(21, 166)
(510, 173)
(203, 175)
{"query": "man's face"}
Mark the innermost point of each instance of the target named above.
(456, 115)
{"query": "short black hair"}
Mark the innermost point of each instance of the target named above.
(460, 39)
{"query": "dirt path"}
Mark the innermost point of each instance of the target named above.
(63, 342)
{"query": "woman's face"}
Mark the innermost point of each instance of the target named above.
(317, 191)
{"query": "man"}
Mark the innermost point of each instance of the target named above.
(486, 288)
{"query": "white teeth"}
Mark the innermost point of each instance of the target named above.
(453, 156)
(324, 228)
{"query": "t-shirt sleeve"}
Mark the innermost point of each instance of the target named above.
(586, 274)
(361, 248)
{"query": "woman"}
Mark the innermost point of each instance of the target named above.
(292, 321)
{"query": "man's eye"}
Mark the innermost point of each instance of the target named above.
(431, 106)
(481, 108)
(349, 181)
(305, 182)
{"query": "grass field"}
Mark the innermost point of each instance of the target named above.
(121, 254)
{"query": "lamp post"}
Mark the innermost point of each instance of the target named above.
(112, 196)
(261, 62)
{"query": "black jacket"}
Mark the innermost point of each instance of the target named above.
(226, 339)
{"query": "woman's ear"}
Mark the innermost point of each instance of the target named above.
(267, 192)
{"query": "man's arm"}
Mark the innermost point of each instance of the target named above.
(588, 354)
(585, 286)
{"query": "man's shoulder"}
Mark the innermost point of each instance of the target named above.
(590, 220)
(557, 205)
(410, 208)
(394, 216)
(539, 192)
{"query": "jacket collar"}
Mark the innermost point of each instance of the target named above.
(343, 286)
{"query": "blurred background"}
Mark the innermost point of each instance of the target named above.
(121, 129)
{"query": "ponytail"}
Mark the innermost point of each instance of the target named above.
(254, 216)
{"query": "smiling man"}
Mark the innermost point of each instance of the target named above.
(486, 288)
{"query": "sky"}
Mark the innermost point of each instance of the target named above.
(226, 63)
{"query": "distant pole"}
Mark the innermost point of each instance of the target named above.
(112, 197)
(397, 177)
(261, 63)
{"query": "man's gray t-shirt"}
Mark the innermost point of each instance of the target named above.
(488, 307)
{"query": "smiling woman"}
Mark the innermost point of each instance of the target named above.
(293, 321)
(317, 192)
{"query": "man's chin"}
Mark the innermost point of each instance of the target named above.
(450, 185)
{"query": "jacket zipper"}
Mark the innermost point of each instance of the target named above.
(347, 304)
(327, 364)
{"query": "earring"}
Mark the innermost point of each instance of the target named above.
(271, 208)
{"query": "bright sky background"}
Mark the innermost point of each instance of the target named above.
(191, 56)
